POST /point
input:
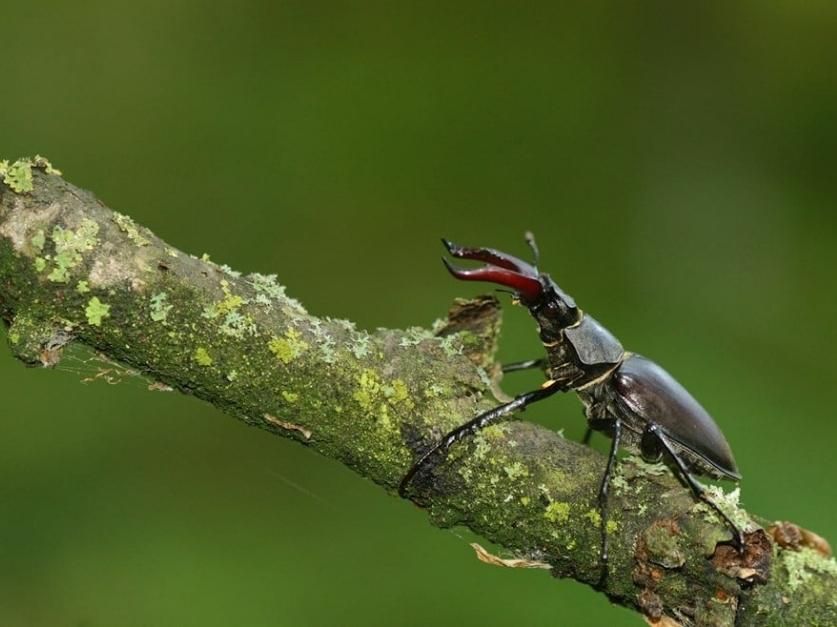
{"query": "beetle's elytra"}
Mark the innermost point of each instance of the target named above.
(628, 397)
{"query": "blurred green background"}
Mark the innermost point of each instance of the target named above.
(676, 162)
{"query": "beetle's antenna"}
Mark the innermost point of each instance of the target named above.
(530, 239)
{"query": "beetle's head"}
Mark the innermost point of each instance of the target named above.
(553, 309)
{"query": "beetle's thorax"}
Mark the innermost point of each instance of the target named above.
(579, 349)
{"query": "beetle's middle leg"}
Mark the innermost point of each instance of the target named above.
(614, 427)
(474, 425)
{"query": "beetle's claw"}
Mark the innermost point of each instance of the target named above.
(739, 541)
(529, 288)
(492, 257)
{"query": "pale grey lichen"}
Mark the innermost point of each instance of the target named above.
(360, 345)
(727, 502)
(452, 345)
(229, 271)
(801, 566)
(237, 325)
(414, 336)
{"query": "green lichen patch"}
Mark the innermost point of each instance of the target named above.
(728, 503)
(557, 512)
(230, 303)
(482, 447)
(380, 399)
(17, 175)
(69, 247)
(594, 517)
(516, 471)
(40, 264)
(803, 564)
(399, 393)
(291, 397)
(42, 163)
(129, 227)
(369, 387)
(160, 307)
(288, 347)
(619, 482)
(96, 310)
(202, 356)
(642, 467)
(82, 287)
(38, 240)
(233, 322)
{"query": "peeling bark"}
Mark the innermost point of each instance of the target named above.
(72, 270)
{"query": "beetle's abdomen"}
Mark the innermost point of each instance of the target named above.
(649, 392)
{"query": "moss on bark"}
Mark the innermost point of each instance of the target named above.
(72, 270)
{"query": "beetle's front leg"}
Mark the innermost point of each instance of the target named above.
(529, 364)
(476, 424)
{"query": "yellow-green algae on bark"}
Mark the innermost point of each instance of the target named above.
(72, 270)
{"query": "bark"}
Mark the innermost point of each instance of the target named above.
(72, 270)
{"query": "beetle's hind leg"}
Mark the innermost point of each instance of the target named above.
(654, 432)
(432, 455)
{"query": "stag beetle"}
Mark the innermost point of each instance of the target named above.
(628, 397)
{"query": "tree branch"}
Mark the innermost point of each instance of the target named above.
(73, 270)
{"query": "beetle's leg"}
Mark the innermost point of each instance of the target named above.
(596, 424)
(473, 426)
(588, 434)
(529, 364)
(616, 434)
(697, 489)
